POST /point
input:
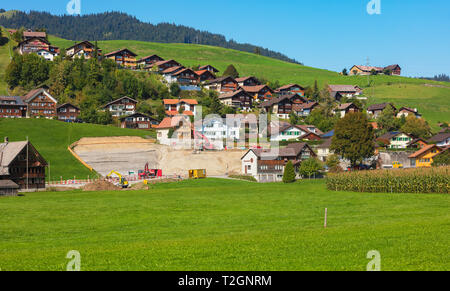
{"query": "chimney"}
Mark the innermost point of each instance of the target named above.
(6, 139)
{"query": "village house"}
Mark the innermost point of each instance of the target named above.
(82, 49)
(174, 130)
(180, 107)
(40, 103)
(138, 121)
(268, 166)
(219, 130)
(259, 92)
(68, 112)
(186, 77)
(169, 72)
(162, 65)
(205, 75)
(290, 90)
(208, 68)
(28, 34)
(417, 143)
(344, 109)
(237, 99)
(324, 151)
(284, 131)
(124, 58)
(121, 107)
(304, 109)
(248, 81)
(35, 44)
(222, 85)
(395, 140)
(22, 164)
(283, 106)
(149, 60)
(369, 70)
(337, 92)
(405, 111)
(423, 158)
(376, 109)
(12, 107)
(441, 139)
(48, 55)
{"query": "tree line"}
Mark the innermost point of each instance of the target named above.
(121, 26)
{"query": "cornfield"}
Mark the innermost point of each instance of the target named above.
(432, 180)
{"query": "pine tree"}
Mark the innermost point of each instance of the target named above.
(231, 72)
(289, 173)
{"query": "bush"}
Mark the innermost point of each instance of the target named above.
(310, 167)
(289, 173)
(432, 180)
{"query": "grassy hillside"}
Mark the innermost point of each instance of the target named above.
(246, 63)
(224, 225)
(4, 61)
(51, 138)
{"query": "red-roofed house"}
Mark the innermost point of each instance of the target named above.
(259, 92)
(84, 49)
(162, 65)
(181, 127)
(222, 85)
(205, 75)
(248, 81)
(149, 60)
(175, 106)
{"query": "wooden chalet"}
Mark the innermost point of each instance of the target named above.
(28, 34)
(148, 60)
(248, 81)
(346, 108)
(124, 58)
(162, 65)
(237, 99)
(208, 68)
(339, 91)
(205, 75)
(369, 70)
(68, 112)
(35, 44)
(259, 92)
(82, 49)
(222, 85)
(291, 89)
(138, 121)
(304, 109)
(121, 107)
(284, 105)
(22, 164)
(376, 109)
(40, 103)
(186, 77)
(406, 111)
(12, 107)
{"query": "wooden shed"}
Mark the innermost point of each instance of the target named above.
(8, 188)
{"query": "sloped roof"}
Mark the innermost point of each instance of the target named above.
(232, 94)
(68, 104)
(423, 150)
(119, 51)
(440, 137)
(17, 99)
(137, 114)
(388, 136)
(177, 101)
(255, 89)
(8, 184)
(343, 88)
(285, 87)
(81, 42)
(345, 106)
(172, 122)
(33, 93)
(206, 66)
(39, 34)
(381, 106)
(114, 101)
(221, 79)
(149, 57)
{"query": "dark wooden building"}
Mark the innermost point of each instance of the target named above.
(40, 103)
(68, 112)
(138, 121)
(21, 163)
(237, 99)
(123, 58)
(12, 107)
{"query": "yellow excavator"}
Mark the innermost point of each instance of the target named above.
(123, 182)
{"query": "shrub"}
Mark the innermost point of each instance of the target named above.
(431, 180)
(244, 177)
(289, 173)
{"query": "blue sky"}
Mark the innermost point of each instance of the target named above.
(328, 34)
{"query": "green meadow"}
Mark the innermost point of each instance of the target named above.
(51, 138)
(225, 225)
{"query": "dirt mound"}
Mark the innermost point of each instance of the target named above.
(100, 186)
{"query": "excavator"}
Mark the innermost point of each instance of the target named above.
(123, 182)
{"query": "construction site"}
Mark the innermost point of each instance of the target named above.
(129, 155)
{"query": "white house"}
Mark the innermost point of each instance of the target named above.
(441, 139)
(175, 106)
(48, 55)
(396, 140)
(405, 111)
(283, 131)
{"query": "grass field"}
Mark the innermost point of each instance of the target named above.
(4, 61)
(51, 138)
(225, 225)
(433, 102)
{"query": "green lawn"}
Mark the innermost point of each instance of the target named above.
(225, 225)
(4, 61)
(51, 138)
(432, 102)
